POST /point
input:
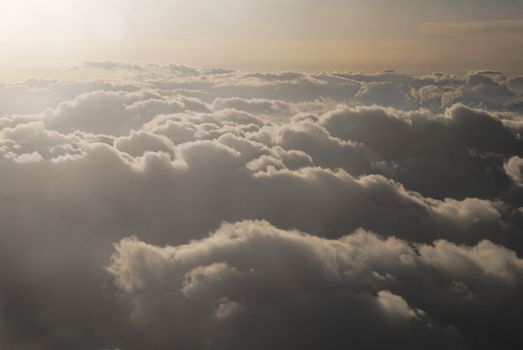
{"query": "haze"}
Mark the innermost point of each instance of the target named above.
(414, 37)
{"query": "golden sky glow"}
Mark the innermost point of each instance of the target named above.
(264, 35)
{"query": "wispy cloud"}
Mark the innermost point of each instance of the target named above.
(473, 28)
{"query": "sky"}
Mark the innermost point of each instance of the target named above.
(410, 36)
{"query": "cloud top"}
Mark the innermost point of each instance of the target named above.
(176, 206)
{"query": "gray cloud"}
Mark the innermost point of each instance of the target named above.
(254, 276)
(465, 147)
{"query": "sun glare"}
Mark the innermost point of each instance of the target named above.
(31, 20)
(19, 19)
(109, 24)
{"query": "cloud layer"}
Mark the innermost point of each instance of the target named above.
(266, 210)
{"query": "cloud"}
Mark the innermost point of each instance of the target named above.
(258, 276)
(35, 95)
(115, 113)
(466, 147)
(386, 93)
(359, 205)
(112, 66)
(514, 169)
(490, 27)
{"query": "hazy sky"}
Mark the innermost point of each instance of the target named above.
(412, 36)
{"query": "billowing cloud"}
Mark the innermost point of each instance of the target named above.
(278, 285)
(355, 205)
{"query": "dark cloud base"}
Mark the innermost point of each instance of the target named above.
(178, 207)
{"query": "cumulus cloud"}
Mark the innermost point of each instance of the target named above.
(357, 205)
(263, 278)
(514, 169)
(465, 147)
